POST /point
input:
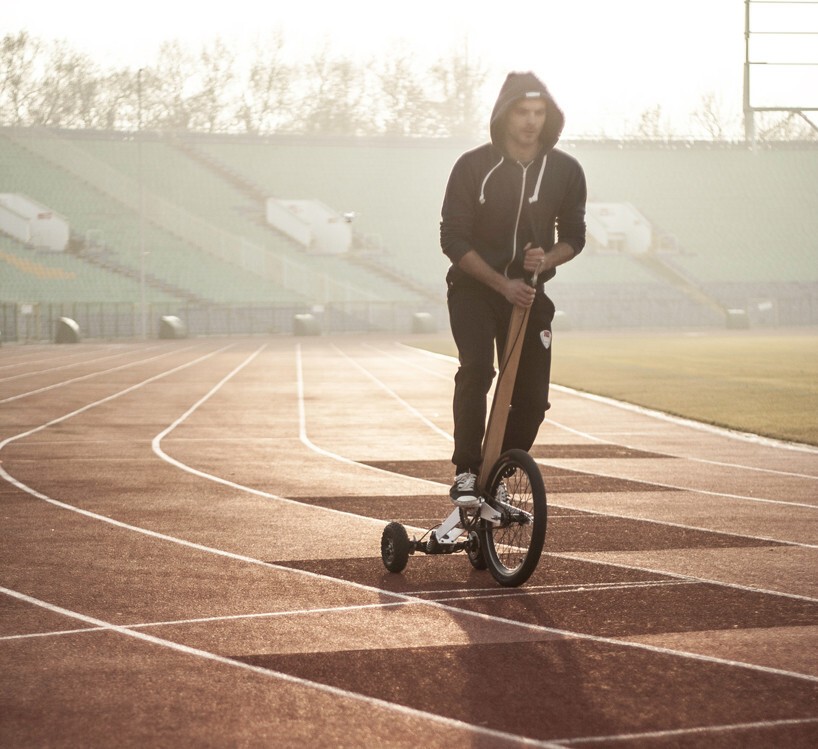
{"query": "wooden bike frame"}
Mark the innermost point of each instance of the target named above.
(498, 416)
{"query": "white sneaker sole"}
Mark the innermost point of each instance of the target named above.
(465, 502)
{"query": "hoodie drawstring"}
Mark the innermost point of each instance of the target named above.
(535, 196)
(486, 179)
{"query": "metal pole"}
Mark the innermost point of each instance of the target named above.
(143, 308)
(749, 120)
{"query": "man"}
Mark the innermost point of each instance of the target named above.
(513, 208)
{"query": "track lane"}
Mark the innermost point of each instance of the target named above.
(780, 486)
(128, 577)
(211, 695)
(47, 379)
(316, 405)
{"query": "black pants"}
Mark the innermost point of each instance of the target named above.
(479, 320)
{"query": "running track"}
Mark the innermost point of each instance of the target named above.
(190, 557)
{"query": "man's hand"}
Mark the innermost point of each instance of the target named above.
(538, 261)
(518, 292)
(534, 260)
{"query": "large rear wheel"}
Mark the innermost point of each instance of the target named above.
(512, 548)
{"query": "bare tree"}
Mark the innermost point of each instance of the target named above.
(403, 103)
(66, 93)
(210, 105)
(710, 116)
(118, 101)
(19, 55)
(776, 126)
(54, 85)
(459, 83)
(167, 89)
(652, 126)
(334, 97)
(265, 103)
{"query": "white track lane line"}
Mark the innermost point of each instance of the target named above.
(89, 406)
(678, 575)
(35, 358)
(704, 732)
(706, 492)
(305, 440)
(268, 673)
(311, 445)
(719, 431)
(669, 524)
(452, 610)
(408, 406)
(738, 497)
(665, 523)
(98, 373)
(755, 439)
(481, 594)
(156, 445)
(49, 370)
(98, 625)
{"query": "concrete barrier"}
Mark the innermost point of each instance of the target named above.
(171, 327)
(737, 319)
(67, 331)
(306, 325)
(423, 322)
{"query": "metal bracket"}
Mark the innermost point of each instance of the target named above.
(446, 534)
(490, 515)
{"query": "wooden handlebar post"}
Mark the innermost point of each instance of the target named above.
(498, 416)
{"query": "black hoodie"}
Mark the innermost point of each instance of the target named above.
(496, 206)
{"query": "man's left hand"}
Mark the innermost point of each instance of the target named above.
(534, 260)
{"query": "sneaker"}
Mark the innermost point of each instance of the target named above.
(464, 490)
(501, 493)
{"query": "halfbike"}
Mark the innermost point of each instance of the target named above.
(505, 532)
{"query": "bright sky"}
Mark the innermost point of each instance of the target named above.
(605, 61)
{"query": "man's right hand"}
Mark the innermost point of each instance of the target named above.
(515, 290)
(518, 292)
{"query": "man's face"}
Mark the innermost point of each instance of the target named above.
(525, 121)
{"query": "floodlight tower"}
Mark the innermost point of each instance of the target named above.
(749, 117)
(794, 29)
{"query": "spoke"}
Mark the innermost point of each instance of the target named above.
(512, 541)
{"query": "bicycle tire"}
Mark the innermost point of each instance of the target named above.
(512, 549)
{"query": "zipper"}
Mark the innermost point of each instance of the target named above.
(517, 221)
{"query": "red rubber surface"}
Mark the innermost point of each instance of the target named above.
(191, 556)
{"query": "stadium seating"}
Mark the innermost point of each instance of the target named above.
(57, 277)
(172, 174)
(735, 215)
(738, 224)
(110, 232)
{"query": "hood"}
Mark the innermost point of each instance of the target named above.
(520, 86)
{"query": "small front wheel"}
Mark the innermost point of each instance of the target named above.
(395, 546)
(512, 548)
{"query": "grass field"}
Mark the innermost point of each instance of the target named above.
(763, 382)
